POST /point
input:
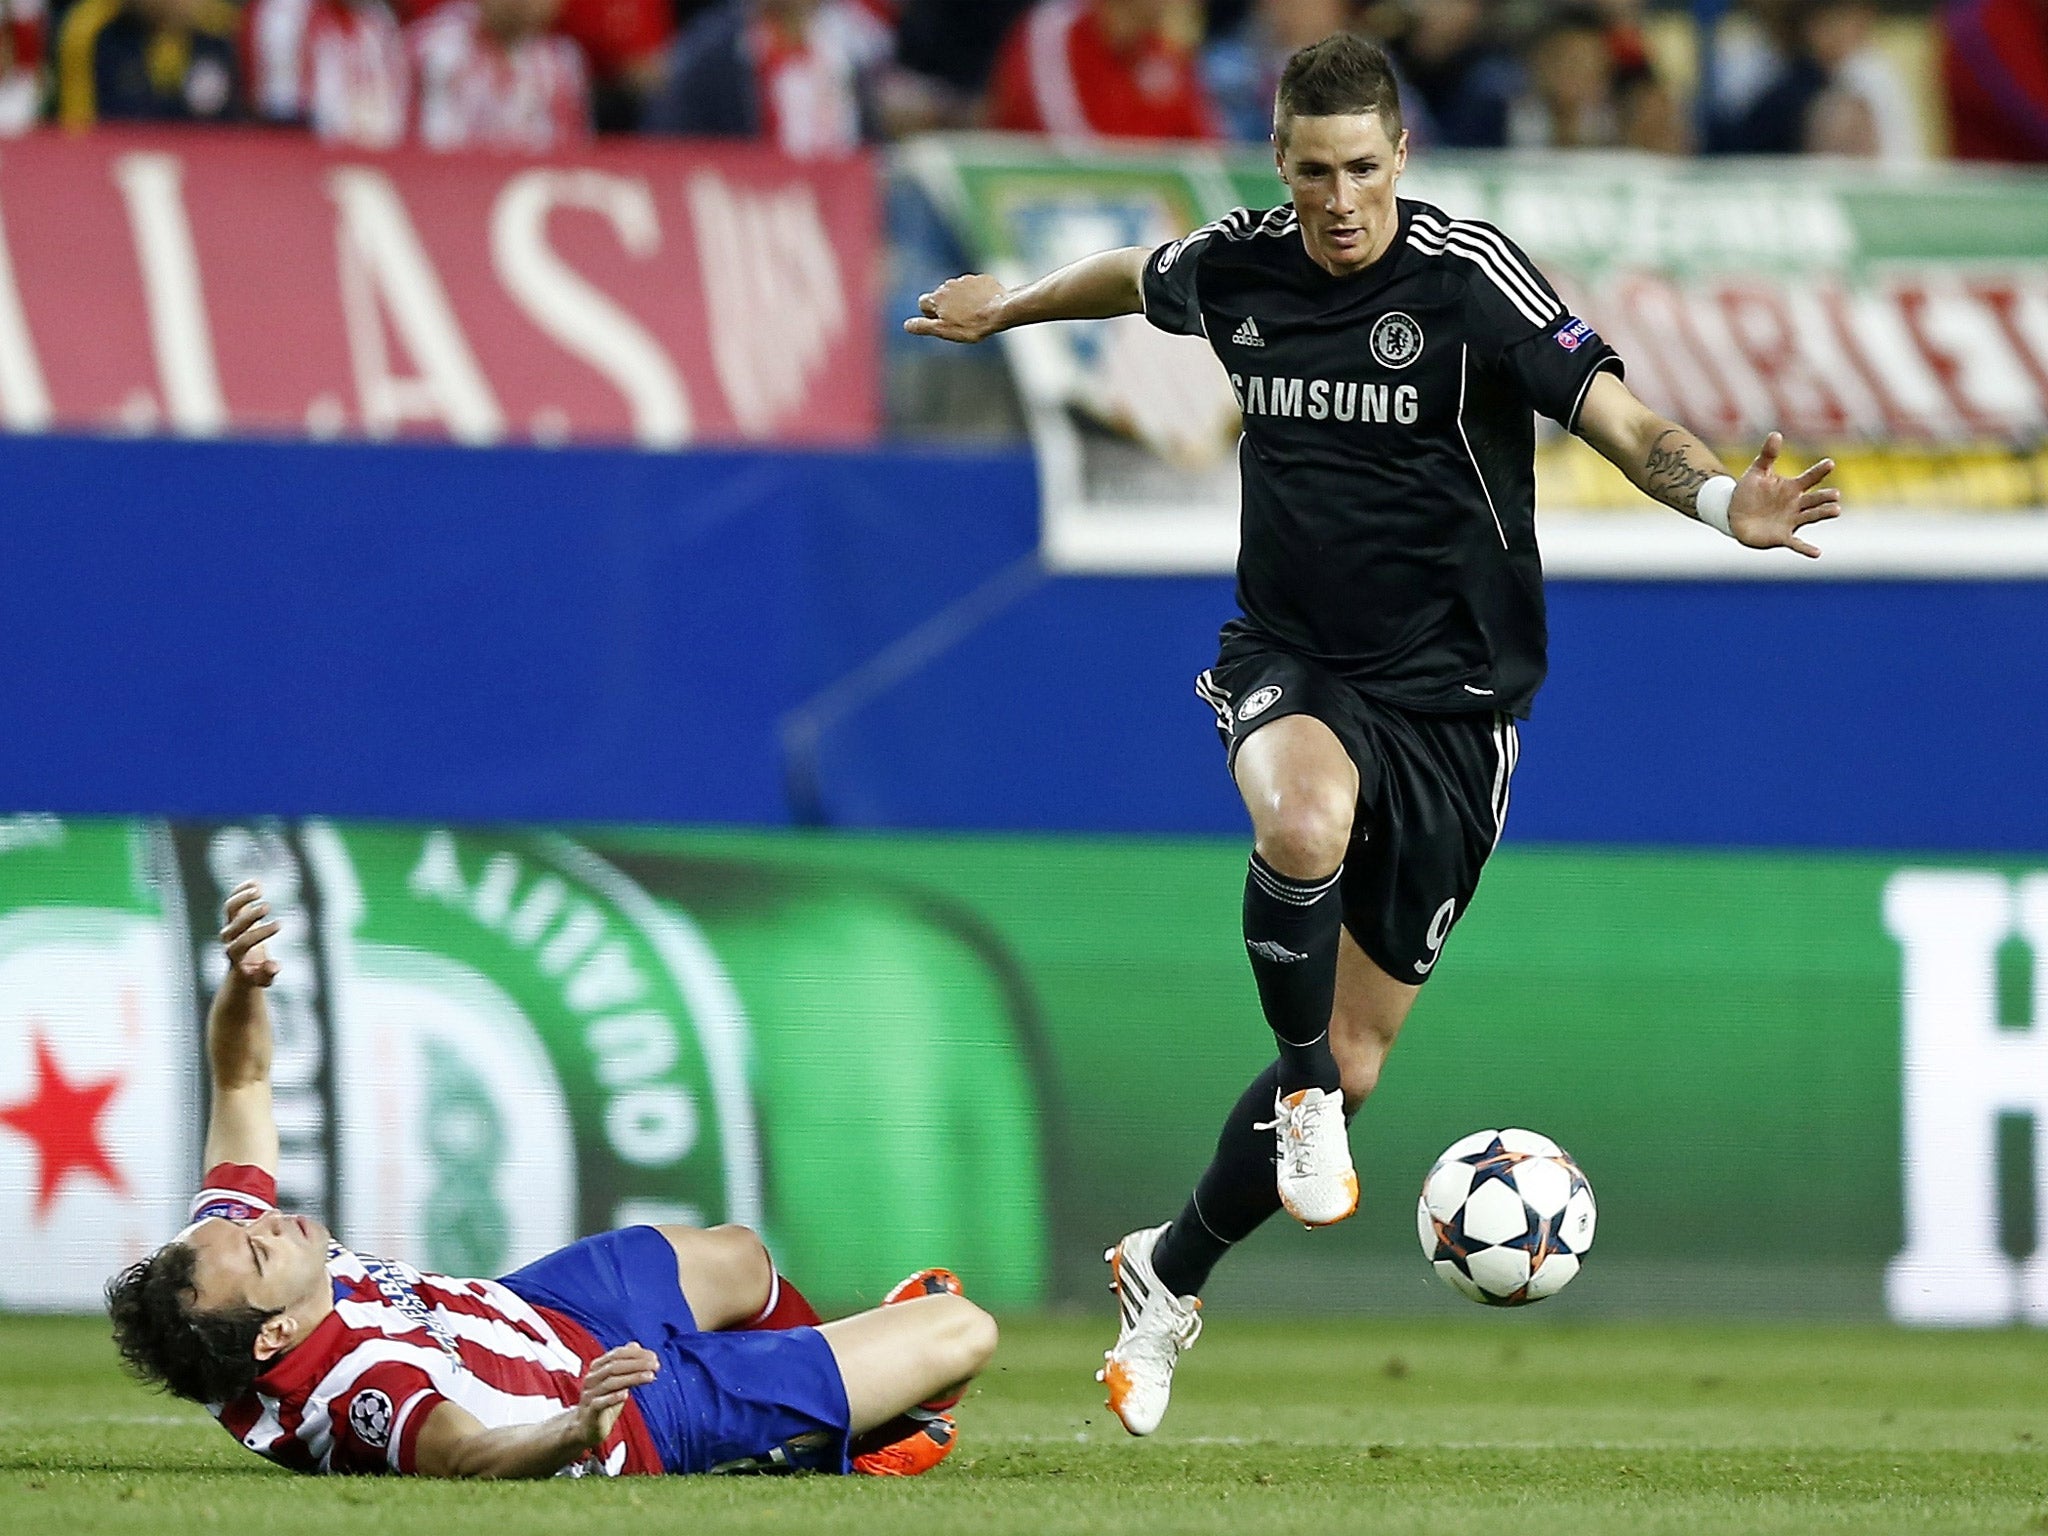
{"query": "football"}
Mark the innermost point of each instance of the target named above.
(1506, 1217)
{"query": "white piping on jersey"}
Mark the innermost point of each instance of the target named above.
(1485, 249)
(1235, 225)
(1482, 241)
(1213, 696)
(1464, 358)
(1053, 89)
(1507, 746)
(1605, 365)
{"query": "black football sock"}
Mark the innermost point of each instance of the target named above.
(1290, 934)
(1237, 1192)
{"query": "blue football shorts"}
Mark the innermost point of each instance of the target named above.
(724, 1402)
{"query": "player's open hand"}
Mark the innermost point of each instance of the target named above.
(248, 928)
(1768, 510)
(967, 309)
(612, 1375)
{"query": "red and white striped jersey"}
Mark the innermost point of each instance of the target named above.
(808, 82)
(353, 1395)
(475, 93)
(1060, 73)
(21, 60)
(339, 66)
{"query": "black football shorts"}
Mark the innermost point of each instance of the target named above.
(1432, 795)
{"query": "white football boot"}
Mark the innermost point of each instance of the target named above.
(1156, 1326)
(1318, 1185)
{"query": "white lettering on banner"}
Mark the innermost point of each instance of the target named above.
(772, 290)
(1925, 356)
(1960, 1070)
(648, 1123)
(1640, 222)
(385, 272)
(1962, 338)
(24, 397)
(580, 316)
(153, 188)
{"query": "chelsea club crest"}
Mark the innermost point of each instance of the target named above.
(1396, 340)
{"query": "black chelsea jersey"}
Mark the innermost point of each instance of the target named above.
(1388, 458)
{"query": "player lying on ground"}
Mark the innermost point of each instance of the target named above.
(652, 1349)
(1388, 360)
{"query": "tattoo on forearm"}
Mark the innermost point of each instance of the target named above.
(1669, 476)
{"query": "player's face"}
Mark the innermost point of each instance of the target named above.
(276, 1261)
(1341, 171)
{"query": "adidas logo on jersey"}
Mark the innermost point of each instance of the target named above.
(1247, 335)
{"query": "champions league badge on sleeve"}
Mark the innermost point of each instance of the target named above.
(1574, 334)
(1396, 340)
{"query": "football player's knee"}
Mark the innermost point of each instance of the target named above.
(978, 1339)
(743, 1249)
(967, 1338)
(1306, 831)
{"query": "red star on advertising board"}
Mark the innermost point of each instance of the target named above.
(62, 1119)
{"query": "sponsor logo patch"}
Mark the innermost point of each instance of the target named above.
(370, 1417)
(1247, 335)
(1574, 334)
(1396, 340)
(1261, 701)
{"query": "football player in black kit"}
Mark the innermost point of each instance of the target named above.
(1388, 359)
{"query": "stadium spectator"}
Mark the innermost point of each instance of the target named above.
(1461, 78)
(1242, 69)
(954, 46)
(337, 66)
(21, 65)
(490, 76)
(625, 43)
(1588, 86)
(1080, 69)
(1994, 66)
(1811, 79)
(148, 61)
(800, 74)
(1651, 116)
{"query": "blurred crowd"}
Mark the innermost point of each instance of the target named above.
(822, 77)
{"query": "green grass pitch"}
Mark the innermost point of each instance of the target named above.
(1483, 1424)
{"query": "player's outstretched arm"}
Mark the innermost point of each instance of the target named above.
(975, 307)
(242, 1127)
(1664, 460)
(453, 1443)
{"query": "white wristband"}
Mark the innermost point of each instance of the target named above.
(1711, 506)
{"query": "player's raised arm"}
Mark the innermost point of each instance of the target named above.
(242, 1127)
(975, 307)
(1763, 509)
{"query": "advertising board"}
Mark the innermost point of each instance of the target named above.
(657, 294)
(1799, 1083)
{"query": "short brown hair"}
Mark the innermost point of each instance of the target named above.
(205, 1357)
(1342, 76)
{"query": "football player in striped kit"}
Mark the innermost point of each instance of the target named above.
(646, 1350)
(1389, 361)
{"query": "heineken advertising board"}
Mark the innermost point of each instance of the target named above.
(1896, 320)
(1798, 1083)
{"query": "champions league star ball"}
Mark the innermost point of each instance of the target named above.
(1506, 1217)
